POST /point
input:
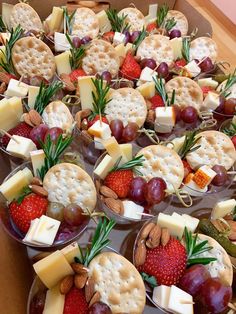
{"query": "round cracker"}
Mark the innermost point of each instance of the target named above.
(203, 47)
(85, 23)
(231, 90)
(163, 162)
(128, 105)
(119, 283)
(157, 47)
(57, 114)
(68, 183)
(101, 56)
(216, 148)
(221, 268)
(187, 92)
(181, 21)
(134, 18)
(24, 15)
(32, 57)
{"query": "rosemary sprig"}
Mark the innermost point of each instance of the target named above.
(161, 14)
(7, 63)
(186, 49)
(2, 25)
(68, 19)
(189, 144)
(139, 39)
(76, 54)
(26, 191)
(169, 24)
(132, 164)
(52, 152)
(118, 23)
(160, 88)
(231, 80)
(45, 94)
(231, 131)
(99, 241)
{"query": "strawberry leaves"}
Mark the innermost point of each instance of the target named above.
(151, 280)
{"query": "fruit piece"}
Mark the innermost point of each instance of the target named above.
(76, 41)
(189, 114)
(137, 190)
(221, 175)
(130, 68)
(38, 133)
(155, 191)
(206, 65)
(37, 304)
(148, 62)
(130, 132)
(75, 302)
(151, 27)
(54, 133)
(22, 129)
(95, 119)
(134, 36)
(157, 101)
(56, 211)
(163, 70)
(119, 181)
(127, 36)
(106, 76)
(187, 168)
(108, 36)
(85, 40)
(76, 73)
(33, 206)
(99, 308)
(117, 128)
(73, 215)
(193, 278)
(233, 139)
(174, 33)
(180, 63)
(229, 106)
(215, 296)
(166, 263)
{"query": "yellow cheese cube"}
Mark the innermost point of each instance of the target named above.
(86, 87)
(37, 159)
(8, 117)
(177, 46)
(33, 93)
(147, 90)
(27, 174)
(176, 227)
(104, 22)
(52, 269)
(127, 151)
(120, 50)
(113, 148)
(6, 13)
(56, 19)
(71, 251)
(105, 166)
(54, 303)
(100, 129)
(63, 63)
(177, 143)
(16, 105)
(128, 47)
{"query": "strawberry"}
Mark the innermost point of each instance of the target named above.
(233, 139)
(75, 74)
(119, 181)
(130, 68)
(157, 101)
(151, 27)
(75, 302)
(180, 63)
(22, 129)
(206, 90)
(166, 263)
(187, 168)
(33, 206)
(108, 36)
(96, 118)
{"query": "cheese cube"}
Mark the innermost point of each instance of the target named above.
(86, 87)
(56, 19)
(118, 38)
(71, 251)
(6, 14)
(100, 129)
(16, 88)
(132, 210)
(20, 146)
(177, 45)
(176, 227)
(120, 50)
(16, 105)
(98, 143)
(127, 151)
(152, 10)
(165, 119)
(161, 296)
(54, 302)
(208, 82)
(103, 21)
(178, 217)
(113, 148)
(149, 19)
(105, 166)
(46, 230)
(147, 75)
(31, 231)
(27, 174)
(147, 90)
(180, 302)
(8, 117)
(191, 187)
(63, 63)
(32, 95)
(211, 101)
(203, 176)
(37, 159)
(192, 68)
(177, 143)
(223, 208)
(52, 269)
(61, 42)
(191, 223)
(128, 47)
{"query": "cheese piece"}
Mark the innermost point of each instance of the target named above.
(52, 269)
(127, 151)
(203, 176)
(208, 82)
(211, 101)
(180, 302)
(120, 50)
(191, 187)
(177, 143)
(27, 174)
(31, 231)
(86, 87)
(16, 88)
(103, 21)
(161, 296)
(177, 45)
(37, 159)
(20, 146)
(176, 227)
(112, 147)
(98, 143)
(223, 208)
(128, 47)
(100, 129)
(191, 223)
(15, 103)
(63, 63)
(8, 117)
(2, 53)
(105, 166)
(56, 19)
(147, 75)
(32, 95)
(6, 13)
(61, 42)
(147, 90)
(46, 230)
(165, 119)
(192, 68)
(54, 303)
(152, 11)
(71, 251)
(118, 38)
(132, 210)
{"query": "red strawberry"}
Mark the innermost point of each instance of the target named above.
(96, 118)
(130, 68)
(157, 101)
(75, 302)
(180, 63)
(33, 206)
(206, 90)
(22, 129)
(187, 168)
(108, 36)
(233, 139)
(152, 26)
(166, 263)
(119, 181)
(75, 74)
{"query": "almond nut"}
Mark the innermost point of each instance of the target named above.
(84, 124)
(165, 236)
(89, 289)
(85, 113)
(66, 284)
(146, 230)
(78, 119)
(79, 268)
(68, 85)
(107, 192)
(97, 184)
(80, 280)
(113, 204)
(27, 120)
(154, 237)
(36, 181)
(39, 190)
(140, 255)
(95, 298)
(35, 117)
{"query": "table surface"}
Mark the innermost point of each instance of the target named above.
(16, 272)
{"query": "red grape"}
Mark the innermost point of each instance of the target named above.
(127, 37)
(56, 211)
(137, 190)
(90, 153)
(37, 80)
(174, 33)
(229, 106)
(85, 40)
(99, 308)
(189, 114)
(130, 132)
(76, 41)
(117, 127)
(206, 65)
(54, 133)
(220, 108)
(73, 215)
(148, 62)
(163, 70)
(177, 112)
(155, 191)
(106, 75)
(221, 175)
(38, 133)
(134, 36)
(233, 139)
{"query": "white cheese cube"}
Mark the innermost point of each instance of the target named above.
(2, 53)
(223, 208)
(63, 63)
(98, 143)
(165, 119)
(152, 10)
(180, 302)
(103, 21)
(161, 296)
(176, 228)
(46, 230)
(147, 90)
(8, 115)
(191, 223)
(177, 45)
(31, 231)
(55, 301)
(211, 101)
(100, 129)
(33, 93)
(118, 38)
(20, 146)
(192, 68)
(203, 176)
(85, 88)
(37, 159)
(147, 75)
(208, 82)
(177, 143)
(132, 210)
(61, 42)
(105, 166)
(16, 88)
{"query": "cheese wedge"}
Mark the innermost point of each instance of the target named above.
(16, 88)
(208, 82)
(15, 103)
(86, 87)
(147, 89)
(223, 208)
(113, 148)
(180, 302)
(211, 101)
(177, 143)
(54, 303)
(63, 63)
(175, 227)
(71, 251)
(161, 295)
(32, 95)
(56, 19)
(8, 117)
(132, 210)
(6, 13)
(192, 68)
(105, 166)
(177, 45)
(37, 159)
(104, 22)
(61, 42)
(100, 129)
(31, 231)
(120, 50)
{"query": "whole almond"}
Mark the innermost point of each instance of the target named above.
(35, 117)
(36, 181)
(89, 289)
(98, 185)
(80, 280)
(107, 192)
(78, 119)
(66, 284)
(79, 268)
(27, 120)
(140, 254)
(165, 236)
(146, 230)
(68, 85)
(113, 204)
(84, 124)
(154, 237)
(39, 190)
(85, 113)
(95, 298)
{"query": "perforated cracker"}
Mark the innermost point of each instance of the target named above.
(187, 92)
(216, 148)
(181, 21)
(134, 18)
(128, 105)
(85, 23)
(68, 183)
(119, 283)
(202, 47)
(157, 47)
(231, 90)
(163, 162)
(101, 56)
(32, 57)
(56, 114)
